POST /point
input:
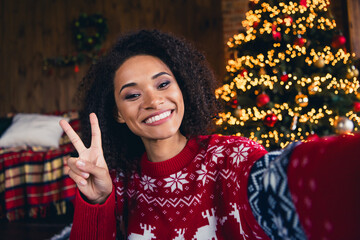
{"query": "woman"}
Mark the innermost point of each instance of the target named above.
(153, 95)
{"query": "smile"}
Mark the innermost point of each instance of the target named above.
(158, 117)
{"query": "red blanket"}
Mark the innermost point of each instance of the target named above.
(32, 179)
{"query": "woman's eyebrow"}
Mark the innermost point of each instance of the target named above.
(134, 84)
(127, 85)
(159, 74)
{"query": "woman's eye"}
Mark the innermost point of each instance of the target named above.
(163, 84)
(131, 96)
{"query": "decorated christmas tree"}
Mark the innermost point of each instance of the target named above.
(289, 76)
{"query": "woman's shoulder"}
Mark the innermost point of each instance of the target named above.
(235, 149)
(229, 141)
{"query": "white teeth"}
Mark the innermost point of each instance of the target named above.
(158, 117)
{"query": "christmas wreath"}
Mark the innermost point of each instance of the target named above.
(89, 31)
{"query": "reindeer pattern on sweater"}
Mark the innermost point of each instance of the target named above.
(205, 198)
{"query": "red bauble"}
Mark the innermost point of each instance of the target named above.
(262, 99)
(76, 68)
(300, 41)
(276, 35)
(338, 41)
(356, 106)
(234, 103)
(244, 72)
(288, 19)
(303, 3)
(312, 137)
(255, 24)
(284, 77)
(270, 119)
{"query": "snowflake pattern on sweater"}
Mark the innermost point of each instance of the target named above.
(199, 194)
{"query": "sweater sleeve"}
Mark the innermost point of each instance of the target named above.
(308, 190)
(323, 178)
(94, 221)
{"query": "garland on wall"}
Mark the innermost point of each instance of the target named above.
(89, 32)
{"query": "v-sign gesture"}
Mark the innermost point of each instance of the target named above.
(89, 170)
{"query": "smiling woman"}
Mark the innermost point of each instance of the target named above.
(150, 102)
(148, 106)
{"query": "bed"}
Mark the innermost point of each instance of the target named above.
(32, 179)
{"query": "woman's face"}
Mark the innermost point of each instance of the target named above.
(148, 98)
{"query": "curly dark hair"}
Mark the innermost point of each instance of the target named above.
(122, 149)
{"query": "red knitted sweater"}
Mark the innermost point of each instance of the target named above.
(203, 193)
(199, 194)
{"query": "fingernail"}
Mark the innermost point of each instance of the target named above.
(80, 163)
(85, 175)
(83, 182)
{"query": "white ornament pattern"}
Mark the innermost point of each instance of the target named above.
(202, 174)
(176, 181)
(217, 153)
(240, 154)
(148, 183)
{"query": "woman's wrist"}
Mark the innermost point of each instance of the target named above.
(100, 200)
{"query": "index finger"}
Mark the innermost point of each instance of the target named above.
(95, 131)
(74, 138)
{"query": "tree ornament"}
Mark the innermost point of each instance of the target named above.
(300, 41)
(244, 72)
(89, 31)
(234, 103)
(262, 71)
(284, 77)
(238, 112)
(262, 99)
(313, 89)
(338, 41)
(287, 20)
(255, 24)
(76, 68)
(270, 119)
(349, 73)
(294, 122)
(320, 63)
(313, 137)
(303, 3)
(302, 100)
(276, 35)
(343, 125)
(356, 106)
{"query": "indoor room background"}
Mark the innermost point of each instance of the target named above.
(32, 31)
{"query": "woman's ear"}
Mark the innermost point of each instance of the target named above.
(118, 116)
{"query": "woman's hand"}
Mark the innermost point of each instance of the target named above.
(89, 170)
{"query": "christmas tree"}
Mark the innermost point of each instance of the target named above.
(289, 76)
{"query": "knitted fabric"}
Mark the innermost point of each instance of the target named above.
(199, 194)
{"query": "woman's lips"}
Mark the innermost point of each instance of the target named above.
(158, 117)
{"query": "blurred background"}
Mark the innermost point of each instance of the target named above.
(33, 31)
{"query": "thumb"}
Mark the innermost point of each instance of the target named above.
(91, 168)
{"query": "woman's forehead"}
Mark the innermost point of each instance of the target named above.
(140, 66)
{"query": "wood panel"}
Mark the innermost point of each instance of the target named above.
(33, 30)
(354, 25)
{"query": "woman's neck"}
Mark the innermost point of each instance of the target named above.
(161, 150)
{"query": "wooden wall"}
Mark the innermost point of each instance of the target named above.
(31, 30)
(353, 7)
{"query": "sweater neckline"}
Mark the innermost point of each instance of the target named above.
(173, 164)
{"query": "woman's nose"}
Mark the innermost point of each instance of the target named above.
(152, 100)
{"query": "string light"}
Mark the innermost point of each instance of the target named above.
(256, 79)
